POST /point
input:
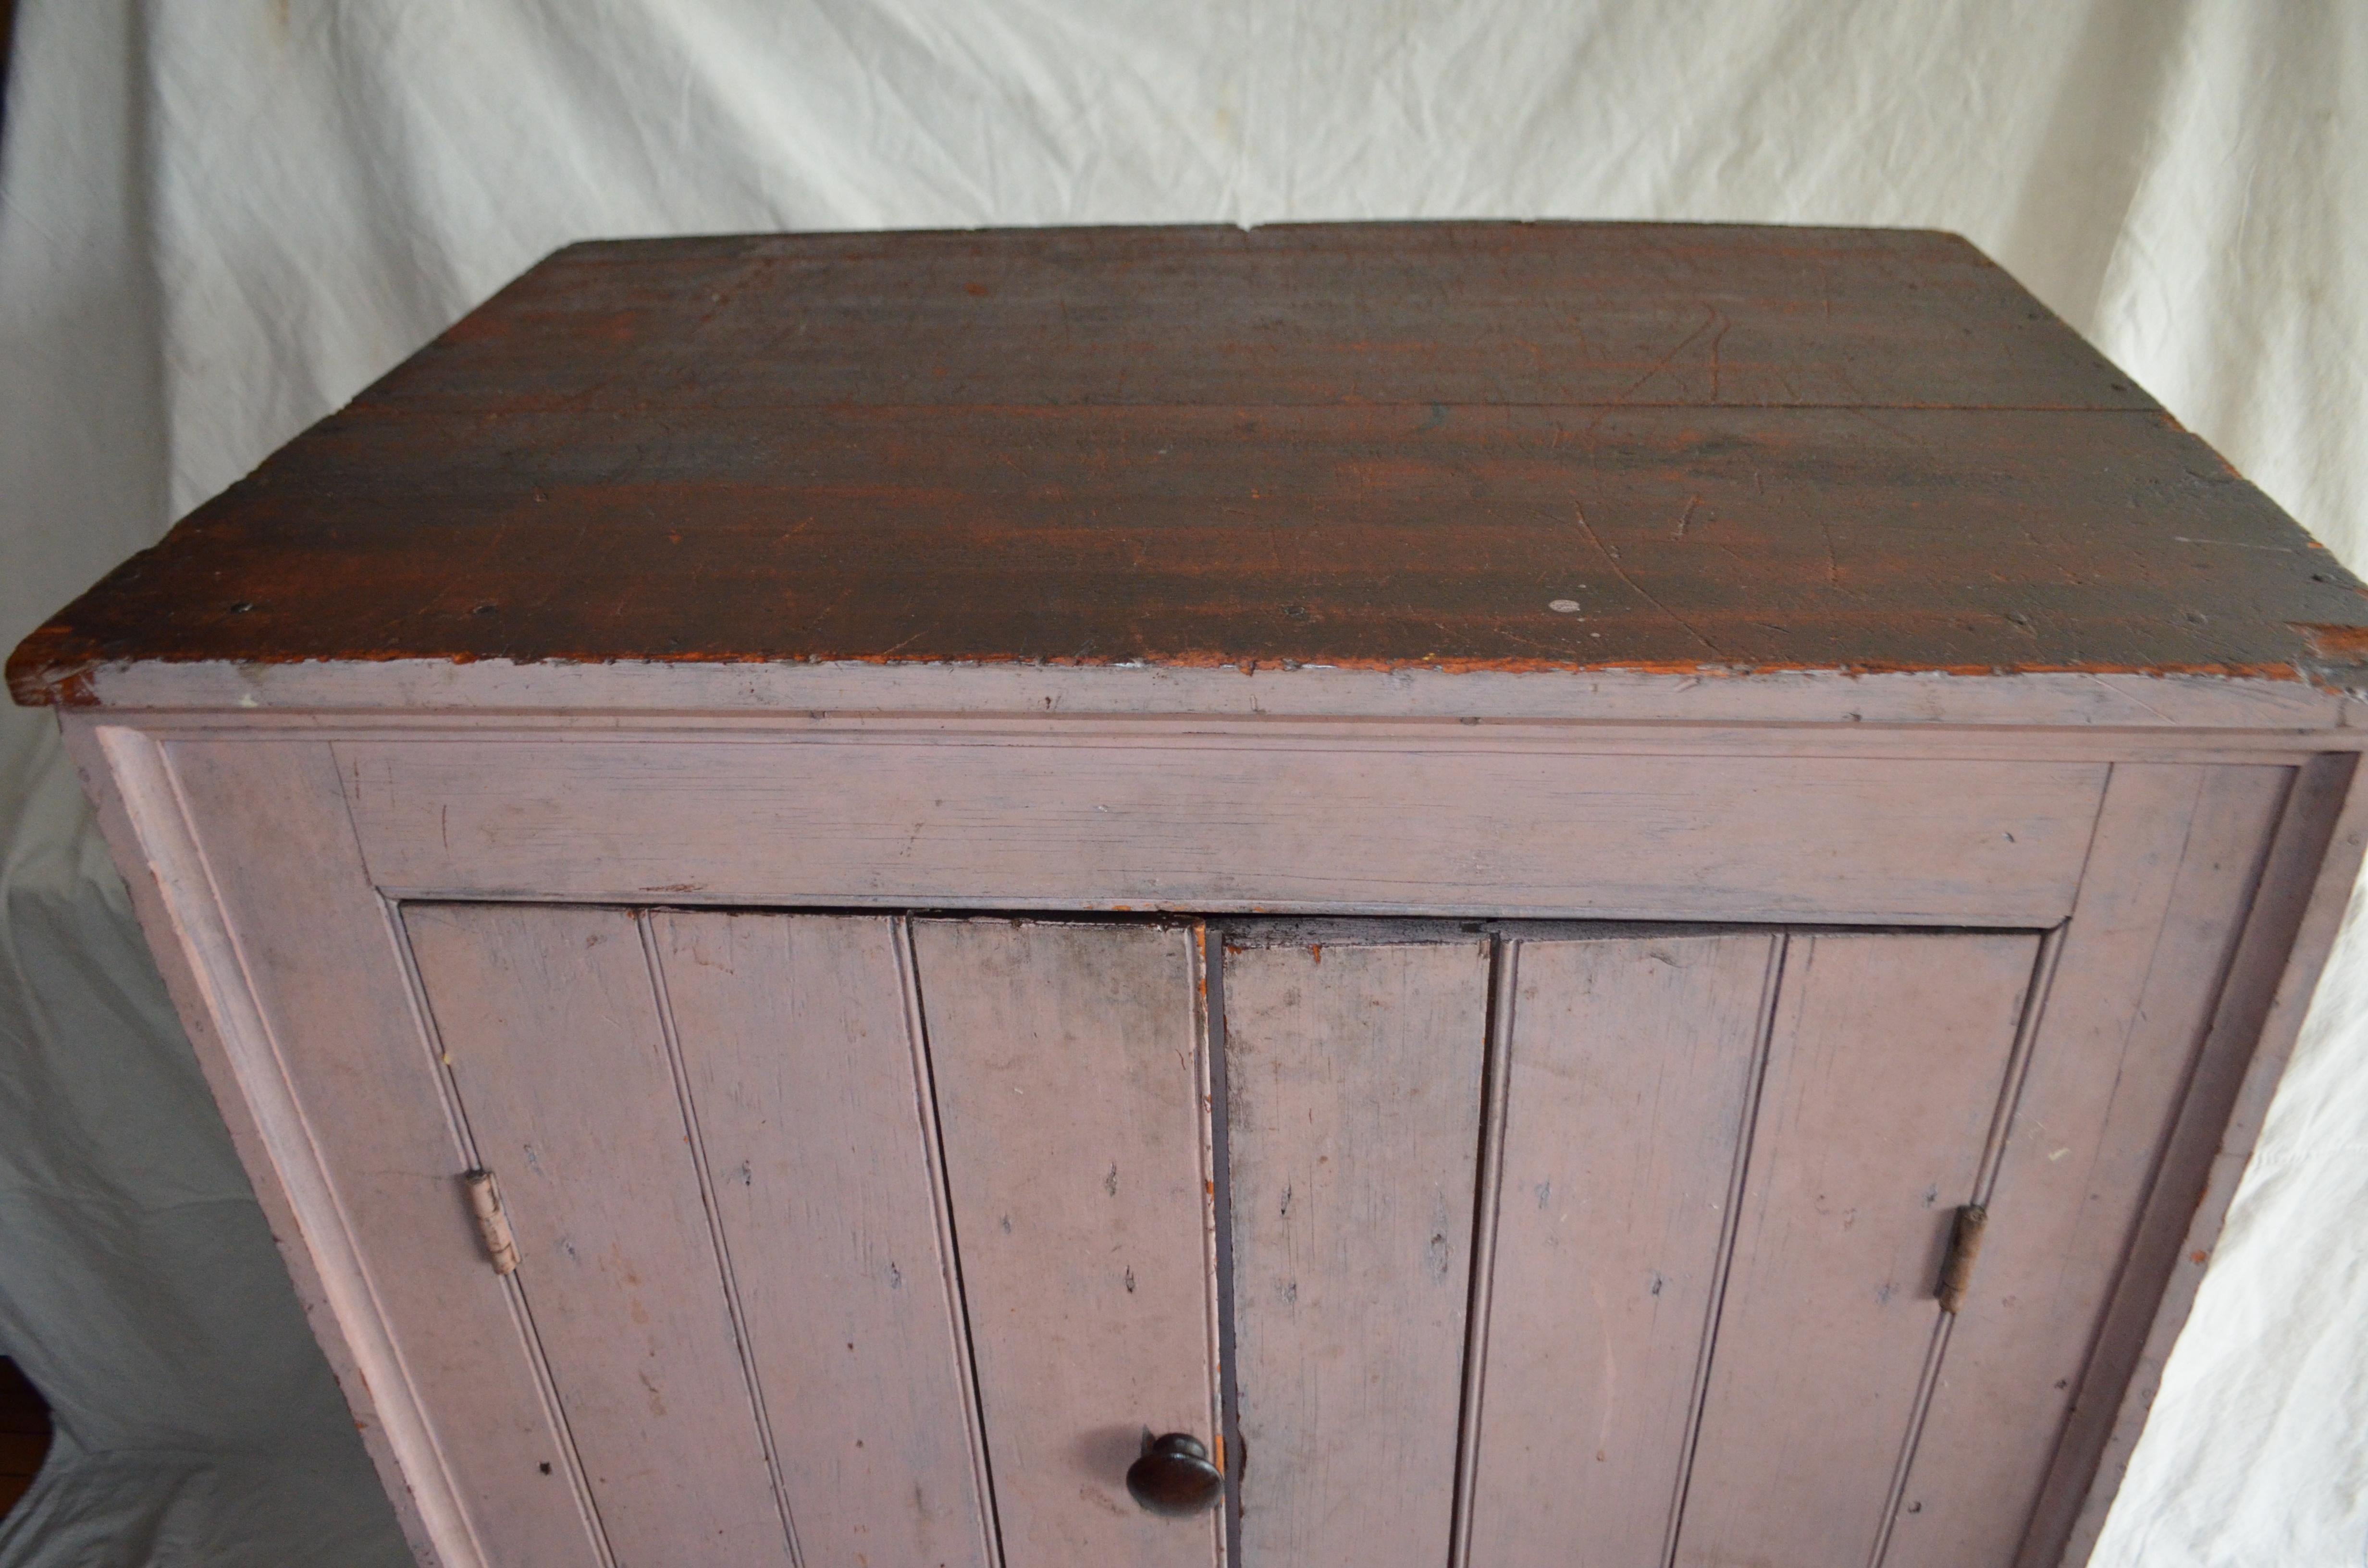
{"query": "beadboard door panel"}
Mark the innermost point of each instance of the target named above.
(1353, 1068)
(1888, 1059)
(1037, 823)
(551, 1026)
(1072, 1071)
(1631, 1065)
(802, 1062)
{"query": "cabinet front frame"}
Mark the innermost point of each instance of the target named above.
(250, 1020)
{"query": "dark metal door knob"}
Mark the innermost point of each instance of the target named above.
(1174, 1476)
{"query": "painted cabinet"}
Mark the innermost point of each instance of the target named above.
(694, 1223)
(1469, 895)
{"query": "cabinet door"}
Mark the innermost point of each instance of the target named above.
(713, 1140)
(1722, 1171)
(813, 1118)
(1886, 1065)
(1630, 1067)
(1353, 1063)
(1547, 1246)
(1072, 1074)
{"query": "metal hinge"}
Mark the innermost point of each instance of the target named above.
(485, 1203)
(1965, 1245)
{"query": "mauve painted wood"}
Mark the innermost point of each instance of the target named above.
(1353, 1080)
(1207, 826)
(150, 840)
(360, 1093)
(642, 693)
(2307, 881)
(1371, 446)
(551, 1023)
(805, 1078)
(222, 790)
(1632, 1064)
(2178, 854)
(1071, 1063)
(1885, 1072)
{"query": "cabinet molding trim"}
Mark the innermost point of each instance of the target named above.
(1921, 699)
(1215, 828)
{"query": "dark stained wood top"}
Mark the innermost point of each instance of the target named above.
(1362, 445)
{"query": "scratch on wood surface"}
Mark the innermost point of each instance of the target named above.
(2125, 693)
(1646, 594)
(1693, 503)
(2236, 544)
(1663, 363)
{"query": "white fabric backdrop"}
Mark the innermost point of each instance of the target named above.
(219, 220)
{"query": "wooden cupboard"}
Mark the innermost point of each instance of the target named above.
(1567, 931)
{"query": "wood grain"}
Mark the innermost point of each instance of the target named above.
(1885, 1072)
(2177, 857)
(553, 1031)
(1366, 538)
(1353, 1072)
(1149, 822)
(1632, 1064)
(1072, 1076)
(1687, 314)
(811, 1106)
(1379, 447)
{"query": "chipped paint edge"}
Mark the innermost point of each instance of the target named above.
(2065, 699)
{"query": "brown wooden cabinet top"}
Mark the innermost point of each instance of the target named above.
(1460, 446)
